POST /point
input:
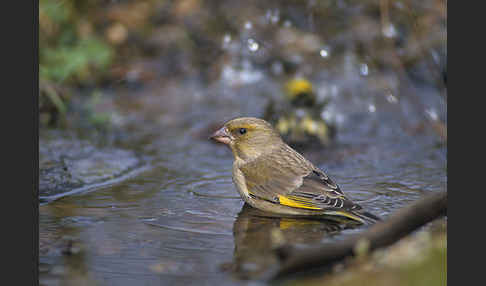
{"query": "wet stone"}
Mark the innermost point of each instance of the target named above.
(66, 164)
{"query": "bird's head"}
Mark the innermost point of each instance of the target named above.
(248, 137)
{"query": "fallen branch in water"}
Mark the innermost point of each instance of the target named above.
(381, 234)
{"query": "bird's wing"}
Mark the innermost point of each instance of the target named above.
(286, 178)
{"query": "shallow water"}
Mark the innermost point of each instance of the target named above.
(181, 222)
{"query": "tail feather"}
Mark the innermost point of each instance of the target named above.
(360, 216)
(367, 216)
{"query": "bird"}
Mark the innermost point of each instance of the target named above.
(271, 176)
(297, 116)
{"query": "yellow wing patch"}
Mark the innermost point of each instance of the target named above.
(291, 202)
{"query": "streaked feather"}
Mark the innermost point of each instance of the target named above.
(291, 180)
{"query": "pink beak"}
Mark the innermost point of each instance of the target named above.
(222, 136)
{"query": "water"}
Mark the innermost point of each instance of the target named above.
(181, 222)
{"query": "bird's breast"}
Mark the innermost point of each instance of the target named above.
(240, 182)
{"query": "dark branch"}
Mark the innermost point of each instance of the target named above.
(381, 234)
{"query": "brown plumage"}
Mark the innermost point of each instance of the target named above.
(271, 176)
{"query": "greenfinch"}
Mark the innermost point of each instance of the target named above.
(300, 93)
(297, 116)
(271, 176)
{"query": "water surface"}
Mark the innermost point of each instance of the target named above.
(181, 222)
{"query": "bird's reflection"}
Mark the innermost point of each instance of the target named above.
(258, 236)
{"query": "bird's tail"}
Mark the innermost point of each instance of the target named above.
(359, 216)
(367, 216)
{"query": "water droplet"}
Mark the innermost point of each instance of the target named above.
(432, 114)
(248, 25)
(226, 39)
(364, 69)
(389, 31)
(371, 108)
(391, 98)
(327, 115)
(324, 53)
(253, 45)
(273, 16)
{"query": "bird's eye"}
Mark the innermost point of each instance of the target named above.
(242, 131)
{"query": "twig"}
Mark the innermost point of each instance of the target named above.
(381, 234)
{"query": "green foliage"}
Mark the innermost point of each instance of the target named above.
(66, 62)
(69, 48)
